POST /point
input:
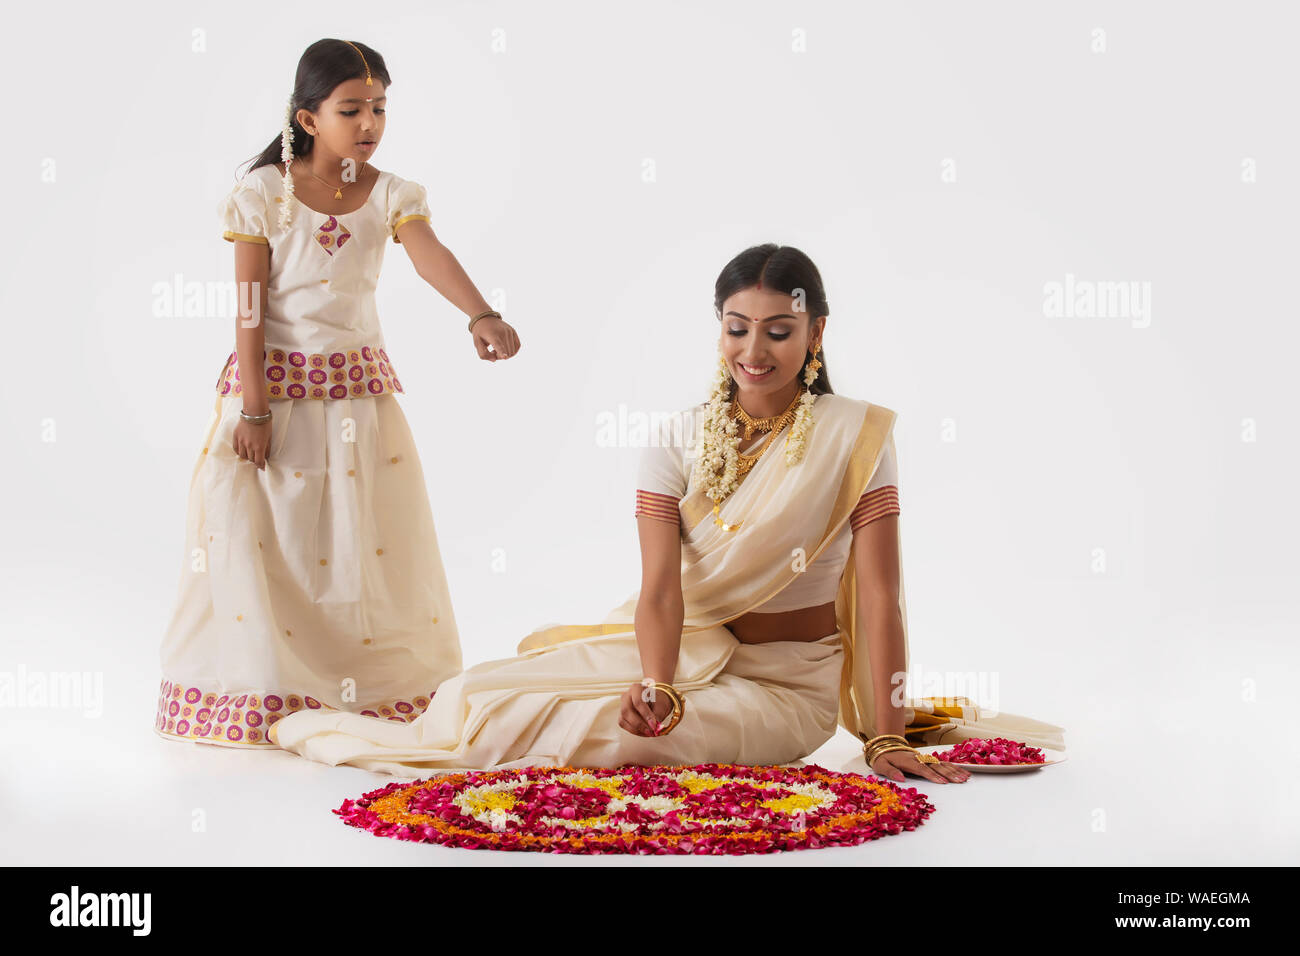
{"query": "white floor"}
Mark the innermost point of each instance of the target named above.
(1179, 736)
(109, 791)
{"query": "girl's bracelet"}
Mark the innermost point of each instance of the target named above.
(255, 419)
(483, 315)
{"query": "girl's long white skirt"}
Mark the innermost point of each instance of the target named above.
(314, 584)
(751, 704)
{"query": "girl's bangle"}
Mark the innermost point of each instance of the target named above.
(483, 315)
(255, 419)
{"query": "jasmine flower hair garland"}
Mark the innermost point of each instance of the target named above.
(286, 156)
(717, 464)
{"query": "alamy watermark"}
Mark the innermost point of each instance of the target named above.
(68, 690)
(633, 428)
(1098, 299)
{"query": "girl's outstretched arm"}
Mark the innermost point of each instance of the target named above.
(436, 265)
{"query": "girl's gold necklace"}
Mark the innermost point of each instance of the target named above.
(338, 190)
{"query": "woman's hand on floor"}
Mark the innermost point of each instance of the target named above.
(892, 764)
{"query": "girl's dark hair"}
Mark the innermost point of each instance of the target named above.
(323, 66)
(784, 269)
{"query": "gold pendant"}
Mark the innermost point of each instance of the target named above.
(722, 524)
(771, 423)
(338, 193)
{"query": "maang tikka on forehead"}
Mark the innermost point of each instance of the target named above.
(363, 62)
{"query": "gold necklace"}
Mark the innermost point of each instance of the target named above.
(774, 423)
(338, 190)
(771, 423)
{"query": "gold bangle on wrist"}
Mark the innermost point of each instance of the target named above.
(872, 753)
(875, 746)
(872, 743)
(878, 747)
(679, 706)
(483, 315)
(868, 741)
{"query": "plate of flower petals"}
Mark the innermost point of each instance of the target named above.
(995, 755)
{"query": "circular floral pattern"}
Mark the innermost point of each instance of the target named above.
(705, 809)
(245, 718)
(318, 374)
(331, 234)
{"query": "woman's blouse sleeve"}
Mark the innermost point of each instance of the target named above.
(243, 214)
(661, 476)
(881, 496)
(407, 200)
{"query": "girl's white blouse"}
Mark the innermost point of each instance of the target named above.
(323, 337)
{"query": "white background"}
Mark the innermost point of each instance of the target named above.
(1030, 446)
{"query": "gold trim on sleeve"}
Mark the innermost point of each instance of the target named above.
(244, 237)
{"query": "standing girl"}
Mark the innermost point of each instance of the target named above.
(312, 577)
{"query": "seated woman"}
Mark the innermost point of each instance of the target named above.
(768, 520)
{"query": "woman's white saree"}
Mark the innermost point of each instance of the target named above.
(558, 702)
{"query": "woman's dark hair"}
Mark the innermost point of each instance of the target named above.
(783, 269)
(323, 66)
